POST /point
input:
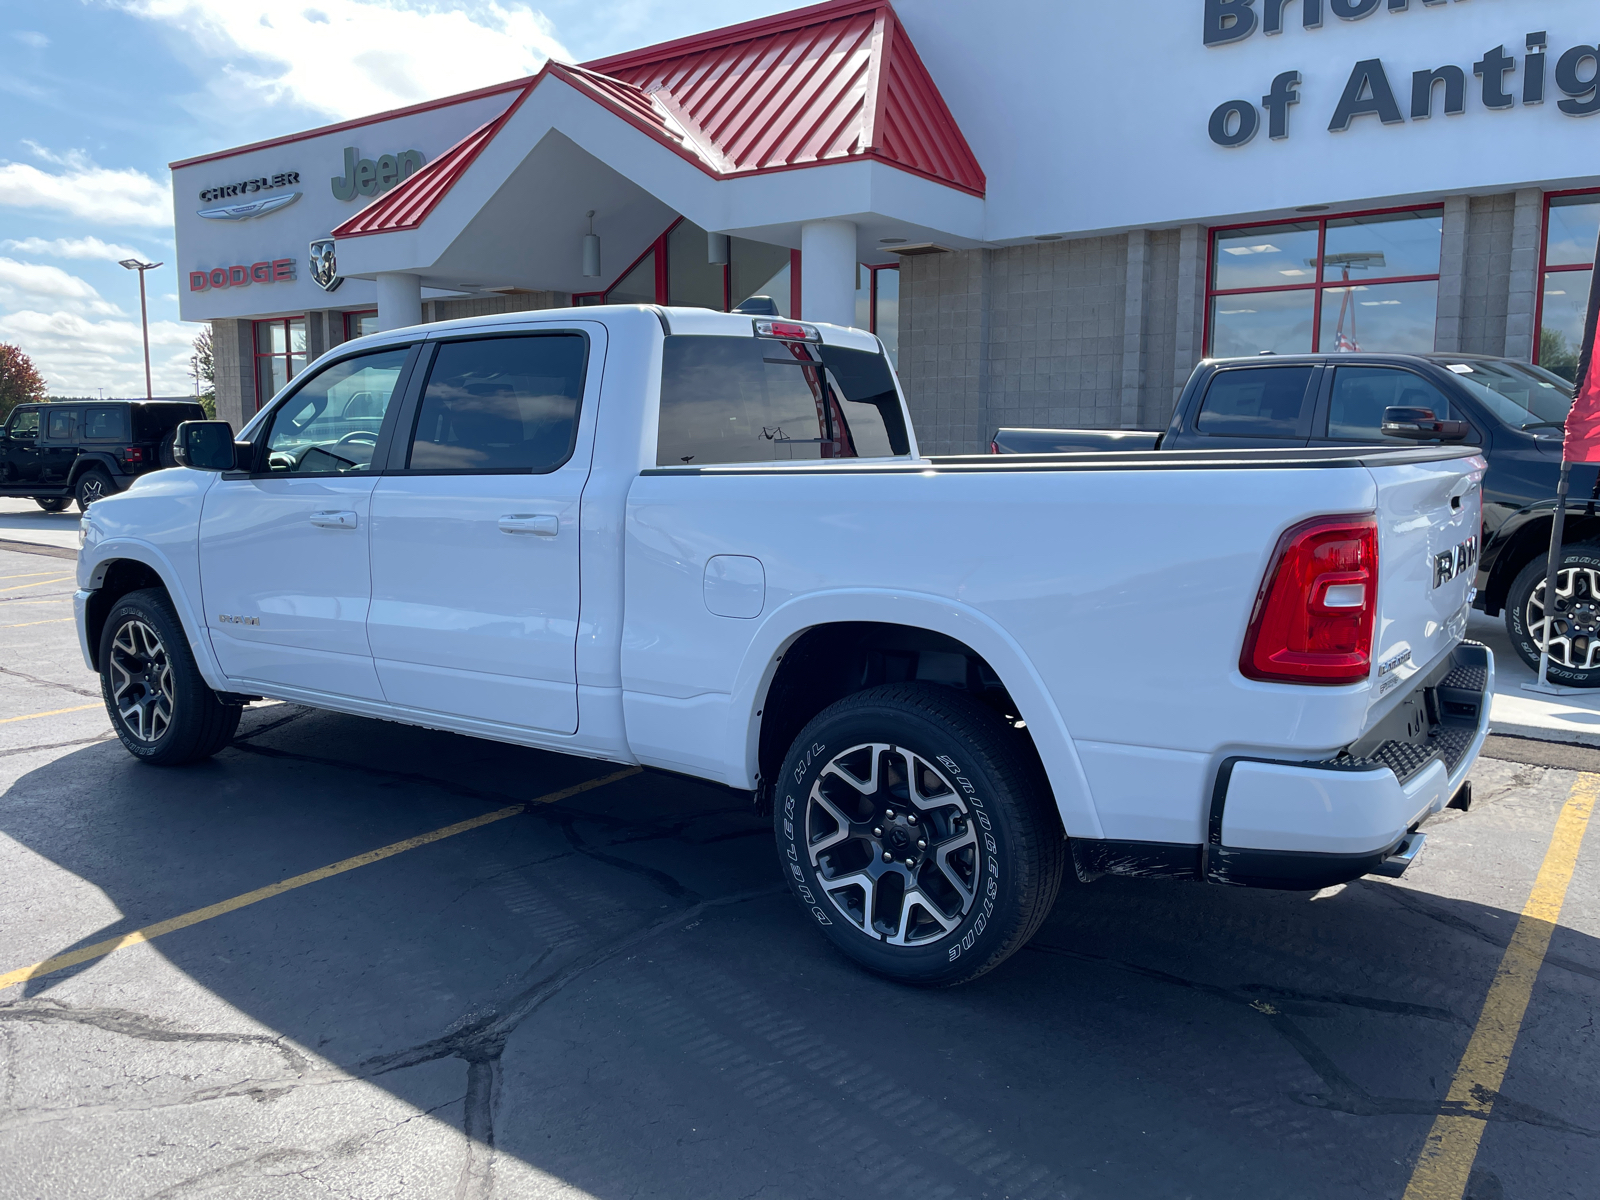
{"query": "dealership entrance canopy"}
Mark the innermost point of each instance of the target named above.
(1047, 212)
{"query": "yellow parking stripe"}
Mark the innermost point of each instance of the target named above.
(54, 712)
(42, 583)
(25, 624)
(1446, 1162)
(29, 575)
(111, 945)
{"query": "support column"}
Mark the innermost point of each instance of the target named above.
(1133, 327)
(399, 300)
(1452, 275)
(828, 271)
(1193, 247)
(1526, 224)
(233, 362)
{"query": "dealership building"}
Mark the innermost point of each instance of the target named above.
(1047, 211)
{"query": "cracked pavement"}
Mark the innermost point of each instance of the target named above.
(612, 996)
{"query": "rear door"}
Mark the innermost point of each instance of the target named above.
(1253, 406)
(58, 449)
(475, 529)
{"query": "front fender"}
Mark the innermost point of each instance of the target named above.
(92, 574)
(785, 624)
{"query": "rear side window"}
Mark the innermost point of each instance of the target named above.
(1360, 394)
(501, 404)
(61, 424)
(747, 400)
(1267, 402)
(105, 424)
(152, 422)
(24, 423)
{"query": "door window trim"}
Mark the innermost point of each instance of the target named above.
(399, 451)
(385, 430)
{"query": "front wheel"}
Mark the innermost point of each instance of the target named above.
(53, 503)
(917, 834)
(1574, 625)
(161, 707)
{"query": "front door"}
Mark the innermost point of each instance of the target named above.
(284, 547)
(19, 451)
(475, 531)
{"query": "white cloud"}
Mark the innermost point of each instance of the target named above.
(348, 58)
(77, 355)
(28, 37)
(84, 247)
(86, 191)
(23, 285)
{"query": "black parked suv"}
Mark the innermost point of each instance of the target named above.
(83, 450)
(1515, 411)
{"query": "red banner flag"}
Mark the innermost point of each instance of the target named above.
(1583, 422)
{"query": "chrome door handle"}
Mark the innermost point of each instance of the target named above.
(333, 520)
(544, 526)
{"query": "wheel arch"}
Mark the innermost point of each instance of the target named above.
(90, 461)
(1527, 541)
(771, 701)
(128, 566)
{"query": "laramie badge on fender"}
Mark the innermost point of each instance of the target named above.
(1447, 564)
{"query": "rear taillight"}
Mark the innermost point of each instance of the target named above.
(133, 454)
(1315, 613)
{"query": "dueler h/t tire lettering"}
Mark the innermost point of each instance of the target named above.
(917, 833)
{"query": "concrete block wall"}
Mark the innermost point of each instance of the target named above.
(234, 368)
(1103, 332)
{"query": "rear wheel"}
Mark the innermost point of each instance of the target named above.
(1573, 625)
(92, 485)
(917, 834)
(162, 709)
(52, 503)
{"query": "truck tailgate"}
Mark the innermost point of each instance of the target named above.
(1429, 525)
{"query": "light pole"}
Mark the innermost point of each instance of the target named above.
(133, 264)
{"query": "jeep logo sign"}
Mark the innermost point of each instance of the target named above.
(366, 177)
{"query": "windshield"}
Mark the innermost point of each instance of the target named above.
(1519, 394)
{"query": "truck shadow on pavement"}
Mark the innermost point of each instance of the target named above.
(614, 993)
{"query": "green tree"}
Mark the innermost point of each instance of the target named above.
(202, 369)
(20, 381)
(1555, 355)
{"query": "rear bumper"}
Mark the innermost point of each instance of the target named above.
(1310, 825)
(1300, 826)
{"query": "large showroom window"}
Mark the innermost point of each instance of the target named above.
(1571, 229)
(1362, 281)
(280, 354)
(878, 304)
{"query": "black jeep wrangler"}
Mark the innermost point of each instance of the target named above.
(83, 450)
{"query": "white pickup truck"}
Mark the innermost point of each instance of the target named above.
(707, 543)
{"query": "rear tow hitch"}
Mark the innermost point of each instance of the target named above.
(1404, 855)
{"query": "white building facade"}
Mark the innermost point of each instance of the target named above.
(1048, 212)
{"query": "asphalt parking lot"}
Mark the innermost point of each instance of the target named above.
(550, 990)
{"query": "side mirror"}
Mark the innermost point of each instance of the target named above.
(204, 445)
(1420, 425)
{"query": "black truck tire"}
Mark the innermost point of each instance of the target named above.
(161, 707)
(1575, 649)
(916, 830)
(53, 503)
(94, 484)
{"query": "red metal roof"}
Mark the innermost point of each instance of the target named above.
(835, 82)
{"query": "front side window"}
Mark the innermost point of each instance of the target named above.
(330, 426)
(24, 423)
(1256, 402)
(1360, 394)
(501, 404)
(105, 424)
(747, 400)
(61, 425)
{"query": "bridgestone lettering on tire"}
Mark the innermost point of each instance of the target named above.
(163, 711)
(1575, 623)
(915, 830)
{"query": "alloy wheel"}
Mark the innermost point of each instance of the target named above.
(893, 844)
(91, 489)
(1573, 629)
(141, 681)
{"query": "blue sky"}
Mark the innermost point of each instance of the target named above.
(97, 96)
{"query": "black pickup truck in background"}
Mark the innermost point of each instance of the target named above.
(82, 450)
(1515, 411)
